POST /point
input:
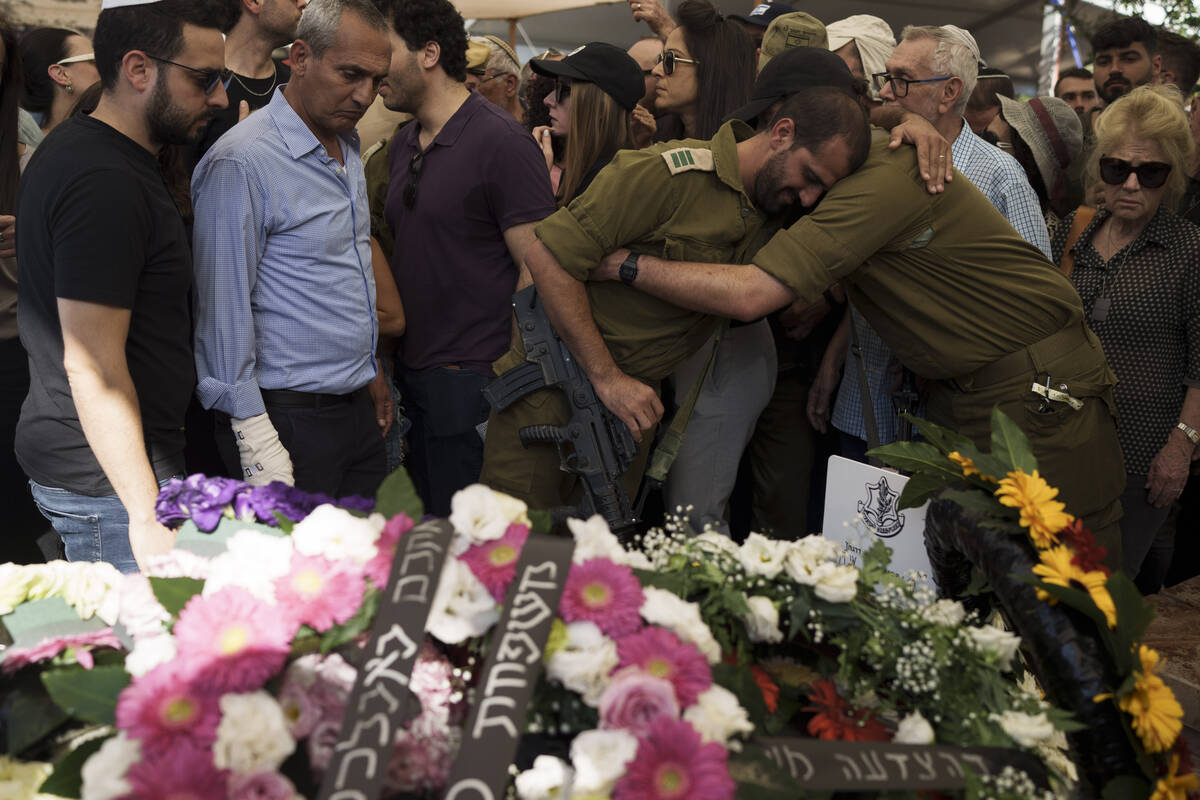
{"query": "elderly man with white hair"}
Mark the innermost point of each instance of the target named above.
(501, 79)
(932, 72)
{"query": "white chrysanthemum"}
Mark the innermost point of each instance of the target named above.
(599, 758)
(253, 561)
(93, 589)
(990, 639)
(762, 623)
(1027, 730)
(253, 735)
(14, 585)
(762, 556)
(716, 543)
(480, 515)
(805, 557)
(948, 613)
(914, 729)
(836, 583)
(104, 771)
(550, 779)
(670, 611)
(462, 607)
(718, 717)
(149, 652)
(337, 534)
(178, 563)
(140, 613)
(584, 662)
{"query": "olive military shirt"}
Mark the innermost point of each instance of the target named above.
(943, 278)
(671, 200)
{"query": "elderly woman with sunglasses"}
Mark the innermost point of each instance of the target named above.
(1135, 267)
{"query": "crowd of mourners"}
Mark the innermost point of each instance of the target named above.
(280, 241)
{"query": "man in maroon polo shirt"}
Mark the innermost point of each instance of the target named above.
(467, 185)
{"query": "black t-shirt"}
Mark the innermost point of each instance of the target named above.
(97, 224)
(255, 91)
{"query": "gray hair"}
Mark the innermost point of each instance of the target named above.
(951, 56)
(499, 62)
(321, 18)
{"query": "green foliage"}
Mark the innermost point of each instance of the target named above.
(33, 715)
(67, 780)
(360, 622)
(397, 495)
(1125, 787)
(539, 521)
(174, 593)
(1010, 444)
(920, 458)
(89, 694)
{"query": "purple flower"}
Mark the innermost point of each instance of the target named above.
(198, 498)
(205, 500)
(264, 502)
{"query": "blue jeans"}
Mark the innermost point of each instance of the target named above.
(91, 528)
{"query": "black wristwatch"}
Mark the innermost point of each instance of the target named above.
(629, 269)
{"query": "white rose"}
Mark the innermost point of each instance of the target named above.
(836, 583)
(593, 539)
(914, 729)
(478, 515)
(94, 590)
(599, 758)
(670, 611)
(1027, 730)
(583, 664)
(462, 607)
(139, 612)
(990, 639)
(762, 556)
(253, 734)
(253, 560)
(762, 623)
(104, 771)
(717, 716)
(948, 613)
(806, 556)
(337, 534)
(149, 652)
(550, 779)
(714, 542)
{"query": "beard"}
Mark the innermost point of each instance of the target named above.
(406, 91)
(768, 186)
(1114, 88)
(167, 122)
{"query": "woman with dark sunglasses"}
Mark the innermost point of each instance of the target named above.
(1135, 266)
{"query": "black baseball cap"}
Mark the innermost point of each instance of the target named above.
(794, 69)
(763, 13)
(606, 65)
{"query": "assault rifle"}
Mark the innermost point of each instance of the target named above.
(601, 446)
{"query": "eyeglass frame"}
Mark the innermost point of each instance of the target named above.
(214, 76)
(669, 58)
(415, 166)
(1130, 169)
(875, 77)
(562, 89)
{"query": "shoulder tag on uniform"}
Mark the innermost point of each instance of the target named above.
(372, 150)
(683, 159)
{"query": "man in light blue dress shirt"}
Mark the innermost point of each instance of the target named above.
(932, 72)
(286, 325)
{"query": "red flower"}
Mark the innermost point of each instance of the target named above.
(834, 719)
(1089, 555)
(770, 692)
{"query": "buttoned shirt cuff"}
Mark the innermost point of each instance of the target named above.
(240, 401)
(791, 258)
(572, 245)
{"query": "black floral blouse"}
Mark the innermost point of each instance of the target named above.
(1151, 328)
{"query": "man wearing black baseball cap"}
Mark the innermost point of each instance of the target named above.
(760, 17)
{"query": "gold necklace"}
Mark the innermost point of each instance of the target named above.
(271, 88)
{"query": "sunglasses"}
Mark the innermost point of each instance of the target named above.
(77, 59)
(1150, 175)
(669, 58)
(562, 90)
(415, 165)
(212, 77)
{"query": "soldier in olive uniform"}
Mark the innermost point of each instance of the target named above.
(959, 297)
(692, 200)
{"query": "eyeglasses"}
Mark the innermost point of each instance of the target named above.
(77, 59)
(900, 85)
(212, 77)
(415, 165)
(669, 58)
(1150, 174)
(562, 90)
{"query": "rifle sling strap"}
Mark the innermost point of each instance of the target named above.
(864, 388)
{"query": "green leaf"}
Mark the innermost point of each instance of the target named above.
(921, 487)
(740, 681)
(944, 439)
(972, 500)
(539, 521)
(361, 621)
(174, 593)
(799, 613)
(397, 495)
(1010, 444)
(286, 525)
(33, 715)
(90, 694)
(1126, 787)
(66, 780)
(1134, 612)
(917, 458)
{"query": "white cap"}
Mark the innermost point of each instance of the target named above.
(966, 39)
(872, 37)
(107, 4)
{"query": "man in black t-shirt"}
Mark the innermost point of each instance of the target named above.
(105, 270)
(256, 29)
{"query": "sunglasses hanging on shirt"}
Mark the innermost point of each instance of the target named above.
(1150, 174)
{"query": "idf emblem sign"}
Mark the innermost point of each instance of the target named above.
(862, 503)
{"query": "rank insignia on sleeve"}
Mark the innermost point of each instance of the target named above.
(683, 159)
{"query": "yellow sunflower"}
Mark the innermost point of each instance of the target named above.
(1175, 787)
(1057, 568)
(1157, 715)
(1040, 512)
(968, 466)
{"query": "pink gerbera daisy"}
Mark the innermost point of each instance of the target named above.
(379, 568)
(182, 772)
(673, 763)
(319, 593)
(608, 594)
(51, 646)
(660, 653)
(168, 705)
(494, 563)
(238, 640)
